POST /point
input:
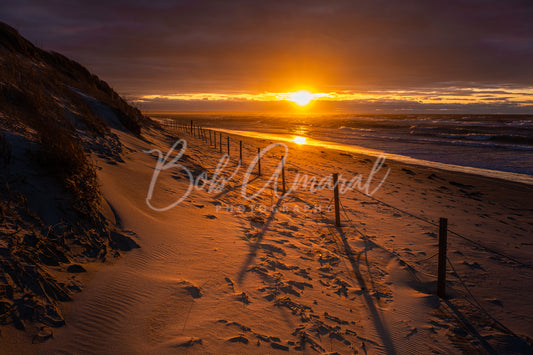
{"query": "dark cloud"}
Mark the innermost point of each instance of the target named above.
(162, 47)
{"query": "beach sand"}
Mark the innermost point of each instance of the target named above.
(214, 277)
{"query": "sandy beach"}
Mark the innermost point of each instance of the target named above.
(249, 177)
(218, 274)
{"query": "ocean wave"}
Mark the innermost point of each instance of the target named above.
(497, 138)
(356, 129)
(499, 142)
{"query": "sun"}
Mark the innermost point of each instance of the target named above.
(301, 98)
(299, 140)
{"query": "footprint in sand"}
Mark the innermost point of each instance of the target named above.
(281, 241)
(173, 314)
(303, 273)
(408, 172)
(193, 290)
(462, 186)
(474, 265)
(300, 285)
(271, 248)
(288, 226)
(335, 319)
(238, 296)
(273, 264)
(238, 339)
(242, 297)
(495, 301)
(287, 234)
(183, 341)
(230, 283)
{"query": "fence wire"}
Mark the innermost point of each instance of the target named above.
(187, 128)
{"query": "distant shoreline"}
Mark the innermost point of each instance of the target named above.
(503, 175)
(312, 113)
(496, 174)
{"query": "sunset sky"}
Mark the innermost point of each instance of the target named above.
(360, 56)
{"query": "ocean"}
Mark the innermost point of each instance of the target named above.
(499, 143)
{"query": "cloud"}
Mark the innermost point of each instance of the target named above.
(458, 100)
(165, 47)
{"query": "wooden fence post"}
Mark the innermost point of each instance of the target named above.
(210, 139)
(220, 142)
(336, 197)
(283, 175)
(259, 161)
(192, 128)
(240, 151)
(227, 139)
(443, 236)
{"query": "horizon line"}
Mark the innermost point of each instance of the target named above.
(198, 112)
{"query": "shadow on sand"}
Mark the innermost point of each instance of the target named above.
(381, 328)
(257, 244)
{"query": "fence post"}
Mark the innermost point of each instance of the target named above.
(283, 175)
(336, 198)
(220, 142)
(240, 151)
(443, 236)
(215, 139)
(227, 139)
(210, 139)
(192, 128)
(259, 161)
